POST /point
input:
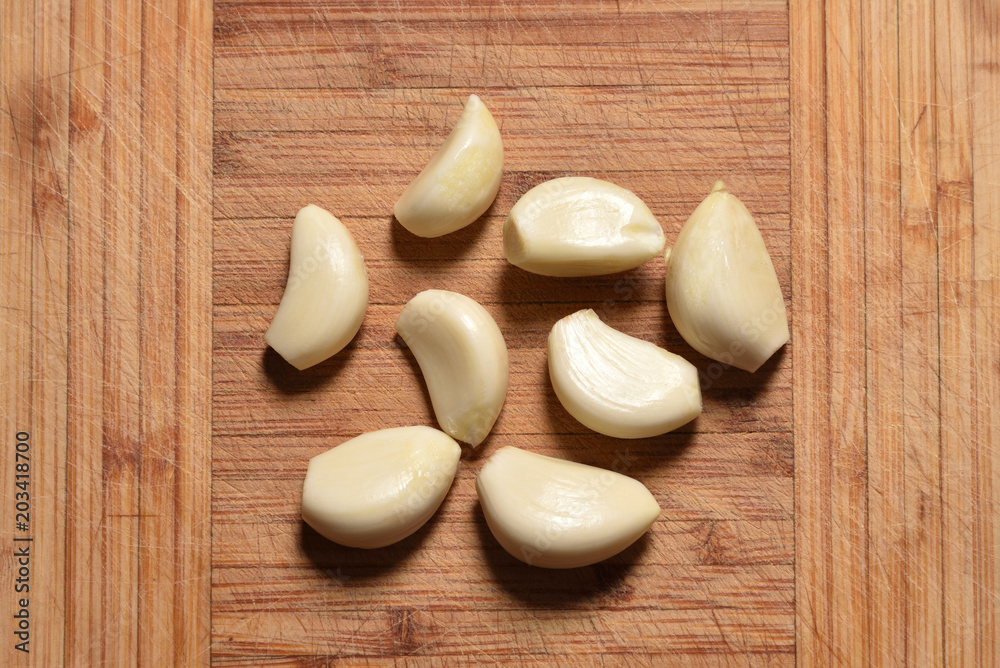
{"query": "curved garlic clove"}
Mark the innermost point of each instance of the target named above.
(463, 357)
(722, 292)
(580, 226)
(326, 294)
(619, 385)
(555, 513)
(460, 182)
(380, 487)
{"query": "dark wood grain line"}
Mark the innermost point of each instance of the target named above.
(122, 403)
(810, 323)
(348, 191)
(450, 634)
(439, 66)
(432, 111)
(766, 659)
(49, 307)
(191, 631)
(920, 310)
(955, 229)
(263, 26)
(17, 123)
(887, 619)
(985, 474)
(87, 136)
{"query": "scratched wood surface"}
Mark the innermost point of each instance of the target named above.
(341, 106)
(106, 332)
(839, 507)
(896, 271)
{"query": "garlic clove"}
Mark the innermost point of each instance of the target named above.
(580, 226)
(555, 513)
(460, 182)
(326, 294)
(380, 487)
(619, 385)
(722, 292)
(463, 357)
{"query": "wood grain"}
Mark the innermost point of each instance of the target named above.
(983, 537)
(894, 261)
(840, 507)
(49, 262)
(16, 132)
(342, 107)
(106, 246)
(954, 211)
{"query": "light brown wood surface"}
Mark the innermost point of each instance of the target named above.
(106, 332)
(839, 507)
(894, 255)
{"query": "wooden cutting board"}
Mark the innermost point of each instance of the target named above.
(837, 507)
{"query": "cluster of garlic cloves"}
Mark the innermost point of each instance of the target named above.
(721, 290)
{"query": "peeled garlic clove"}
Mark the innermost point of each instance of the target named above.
(326, 294)
(380, 487)
(463, 357)
(461, 180)
(619, 385)
(579, 226)
(555, 513)
(722, 292)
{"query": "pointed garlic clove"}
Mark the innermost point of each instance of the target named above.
(555, 513)
(380, 487)
(619, 385)
(463, 357)
(722, 292)
(460, 182)
(579, 226)
(326, 294)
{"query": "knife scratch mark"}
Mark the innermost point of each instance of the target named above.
(13, 121)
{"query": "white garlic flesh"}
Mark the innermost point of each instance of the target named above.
(580, 226)
(380, 487)
(722, 291)
(326, 294)
(462, 179)
(555, 513)
(619, 385)
(463, 358)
